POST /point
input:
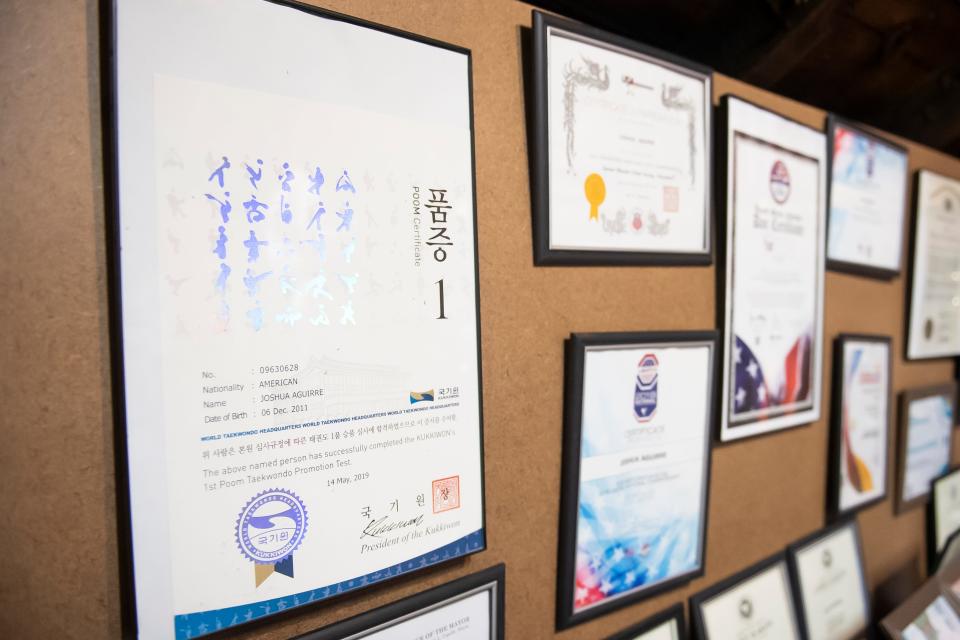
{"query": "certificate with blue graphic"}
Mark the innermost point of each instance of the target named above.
(927, 420)
(773, 299)
(636, 457)
(297, 288)
(868, 198)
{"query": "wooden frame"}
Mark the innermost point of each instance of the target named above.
(540, 189)
(576, 349)
(949, 391)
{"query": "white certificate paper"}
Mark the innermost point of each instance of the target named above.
(929, 429)
(666, 631)
(628, 149)
(864, 422)
(946, 508)
(466, 618)
(774, 272)
(935, 298)
(939, 621)
(642, 487)
(868, 188)
(759, 608)
(831, 586)
(299, 308)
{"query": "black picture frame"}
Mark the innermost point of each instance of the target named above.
(724, 287)
(576, 348)
(674, 614)
(110, 136)
(543, 254)
(912, 273)
(855, 268)
(795, 548)
(700, 598)
(835, 447)
(906, 398)
(951, 549)
(935, 555)
(492, 579)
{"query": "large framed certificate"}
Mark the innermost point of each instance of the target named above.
(860, 422)
(927, 418)
(636, 459)
(666, 625)
(829, 583)
(470, 608)
(868, 201)
(297, 352)
(622, 171)
(772, 306)
(943, 515)
(934, 330)
(756, 603)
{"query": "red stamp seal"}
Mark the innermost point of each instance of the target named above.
(446, 494)
(671, 199)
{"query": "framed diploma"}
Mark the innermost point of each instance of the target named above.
(666, 625)
(926, 615)
(860, 422)
(622, 150)
(756, 603)
(296, 327)
(772, 306)
(829, 583)
(934, 319)
(926, 440)
(636, 461)
(943, 515)
(948, 558)
(867, 201)
(470, 608)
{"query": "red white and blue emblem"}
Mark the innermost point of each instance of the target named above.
(645, 392)
(779, 182)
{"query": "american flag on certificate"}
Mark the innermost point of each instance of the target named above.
(753, 391)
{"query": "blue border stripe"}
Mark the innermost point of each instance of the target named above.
(194, 625)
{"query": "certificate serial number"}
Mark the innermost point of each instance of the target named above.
(280, 368)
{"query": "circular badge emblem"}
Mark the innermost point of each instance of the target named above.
(746, 608)
(779, 182)
(647, 369)
(271, 526)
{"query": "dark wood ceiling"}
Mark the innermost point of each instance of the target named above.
(894, 64)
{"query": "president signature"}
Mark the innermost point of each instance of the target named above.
(380, 526)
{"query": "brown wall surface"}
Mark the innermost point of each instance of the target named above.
(60, 567)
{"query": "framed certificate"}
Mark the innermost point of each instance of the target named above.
(622, 150)
(636, 461)
(926, 440)
(756, 603)
(948, 557)
(829, 583)
(867, 201)
(943, 515)
(666, 625)
(772, 302)
(927, 614)
(934, 316)
(470, 608)
(860, 422)
(296, 319)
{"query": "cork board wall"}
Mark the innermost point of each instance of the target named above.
(61, 568)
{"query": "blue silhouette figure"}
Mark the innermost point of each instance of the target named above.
(254, 211)
(316, 216)
(225, 207)
(345, 184)
(255, 316)
(319, 244)
(253, 246)
(285, 177)
(252, 281)
(285, 214)
(255, 176)
(316, 181)
(221, 284)
(346, 217)
(221, 249)
(218, 172)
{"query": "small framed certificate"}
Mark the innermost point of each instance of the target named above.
(772, 298)
(470, 608)
(867, 201)
(927, 614)
(756, 603)
(666, 625)
(636, 457)
(621, 150)
(943, 514)
(860, 422)
(934, 330)
(829, 583)
(925, 441)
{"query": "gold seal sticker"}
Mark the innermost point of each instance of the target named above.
(596, 191)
